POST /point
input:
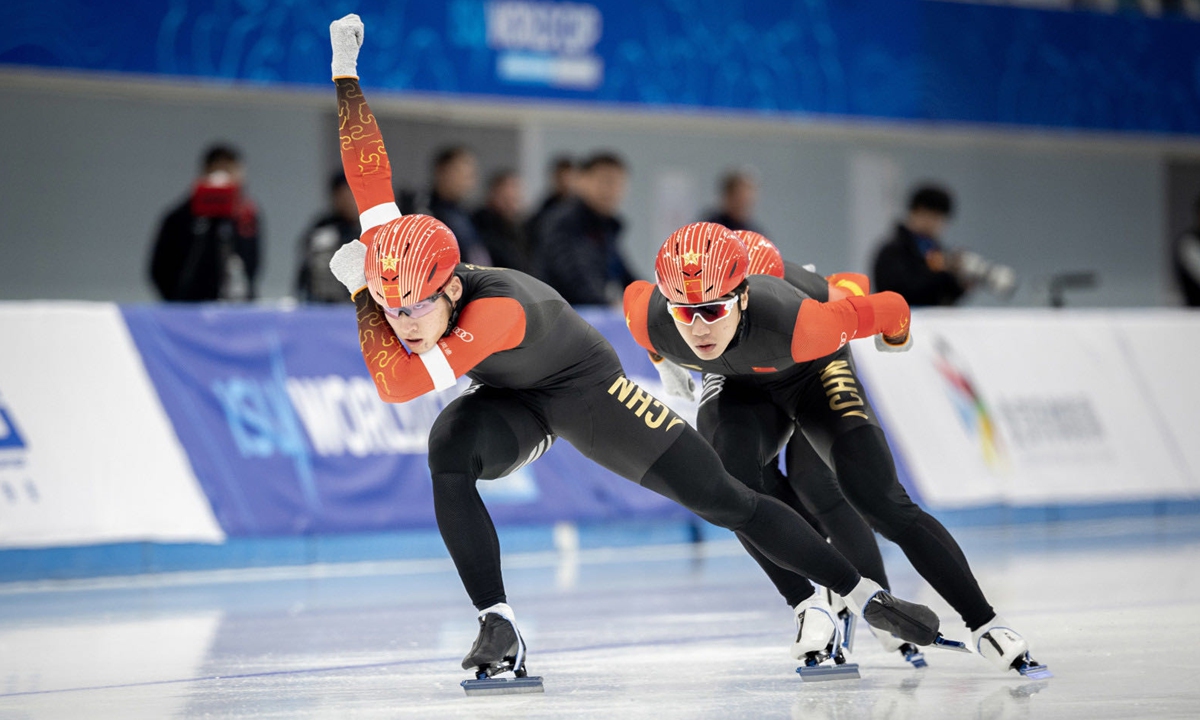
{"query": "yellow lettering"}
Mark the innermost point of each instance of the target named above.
(674, 421)
(837, 367)
(839, 385)
(621, 388)
(644, 397)
(652, 422)
(856, 413)
(855, 401)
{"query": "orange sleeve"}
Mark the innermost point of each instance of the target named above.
(637, 311)
(823, 328)
(485, 326)
(844, 285)
(364, 158)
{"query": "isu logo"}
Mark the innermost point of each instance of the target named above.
(463, 334)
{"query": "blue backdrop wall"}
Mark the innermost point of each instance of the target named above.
(909, 60)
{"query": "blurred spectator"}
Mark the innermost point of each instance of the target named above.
(738, 191)
(563, 178)
(330, 232)
(577, 252)
(914, 263)
(1187, 261)
(499, 225)
(207, 247)
(455, 175)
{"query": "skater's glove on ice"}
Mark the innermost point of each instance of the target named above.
(893, 345)
(346, 35)
(676, 381)
(349, 266)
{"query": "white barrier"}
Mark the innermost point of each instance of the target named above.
(1019, 408)
(1029, 408)
(87, 454)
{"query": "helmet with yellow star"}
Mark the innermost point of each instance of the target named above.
(699, 263)
(410, 259)
(764, 256)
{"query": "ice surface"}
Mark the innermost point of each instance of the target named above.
(663, 632)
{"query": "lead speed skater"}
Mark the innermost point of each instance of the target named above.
(779, 360)
(539, 372)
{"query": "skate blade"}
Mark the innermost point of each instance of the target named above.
(821, 673)
(503, 686)
(916, 658)
(849, 623)
(1035, 672)
(941, 641)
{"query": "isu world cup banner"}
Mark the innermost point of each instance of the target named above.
(287, 434)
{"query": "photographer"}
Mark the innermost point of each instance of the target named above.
(207, 247)
(914, 263)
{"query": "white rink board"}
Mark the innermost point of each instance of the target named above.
(87, 454)
(1028, 408)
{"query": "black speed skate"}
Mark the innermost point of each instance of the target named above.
(497, 649)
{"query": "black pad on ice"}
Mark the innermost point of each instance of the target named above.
(908, 621)
(821, 673)
(503, 686)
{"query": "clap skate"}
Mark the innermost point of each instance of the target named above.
(1005, 647)
(498, 648)
(911, 653)
(846, 619)
(818, 640)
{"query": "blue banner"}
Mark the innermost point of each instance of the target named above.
(895, 59)
(287, 435)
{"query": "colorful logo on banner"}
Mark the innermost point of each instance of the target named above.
(972, 411)
(536, 43)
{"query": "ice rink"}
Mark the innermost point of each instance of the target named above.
(662, 631)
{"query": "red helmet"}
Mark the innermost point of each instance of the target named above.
(764, 256)
(700, 263)
(411, 258)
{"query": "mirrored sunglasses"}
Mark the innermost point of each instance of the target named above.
(708, 312)
(416, 310)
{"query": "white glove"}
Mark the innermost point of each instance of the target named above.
(349, 266)
(346, 35)
(883, 345)
(676, 381)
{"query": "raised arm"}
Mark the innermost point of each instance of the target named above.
(823, 328)
(364, 158)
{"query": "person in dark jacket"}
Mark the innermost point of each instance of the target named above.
(564, 175)
(1186, 257)
(338, 226)
(207, 246)
(499, 224)
(739, 194)
(912, 261)
(578, 251)
(455, 175)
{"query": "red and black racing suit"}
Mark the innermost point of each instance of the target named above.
(542, 372)
(781, 372)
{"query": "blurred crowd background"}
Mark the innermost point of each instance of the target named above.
(204, 166)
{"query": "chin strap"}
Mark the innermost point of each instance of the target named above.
(454, 312)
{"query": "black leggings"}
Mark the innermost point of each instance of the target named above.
(748, 425)
(489, 432)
